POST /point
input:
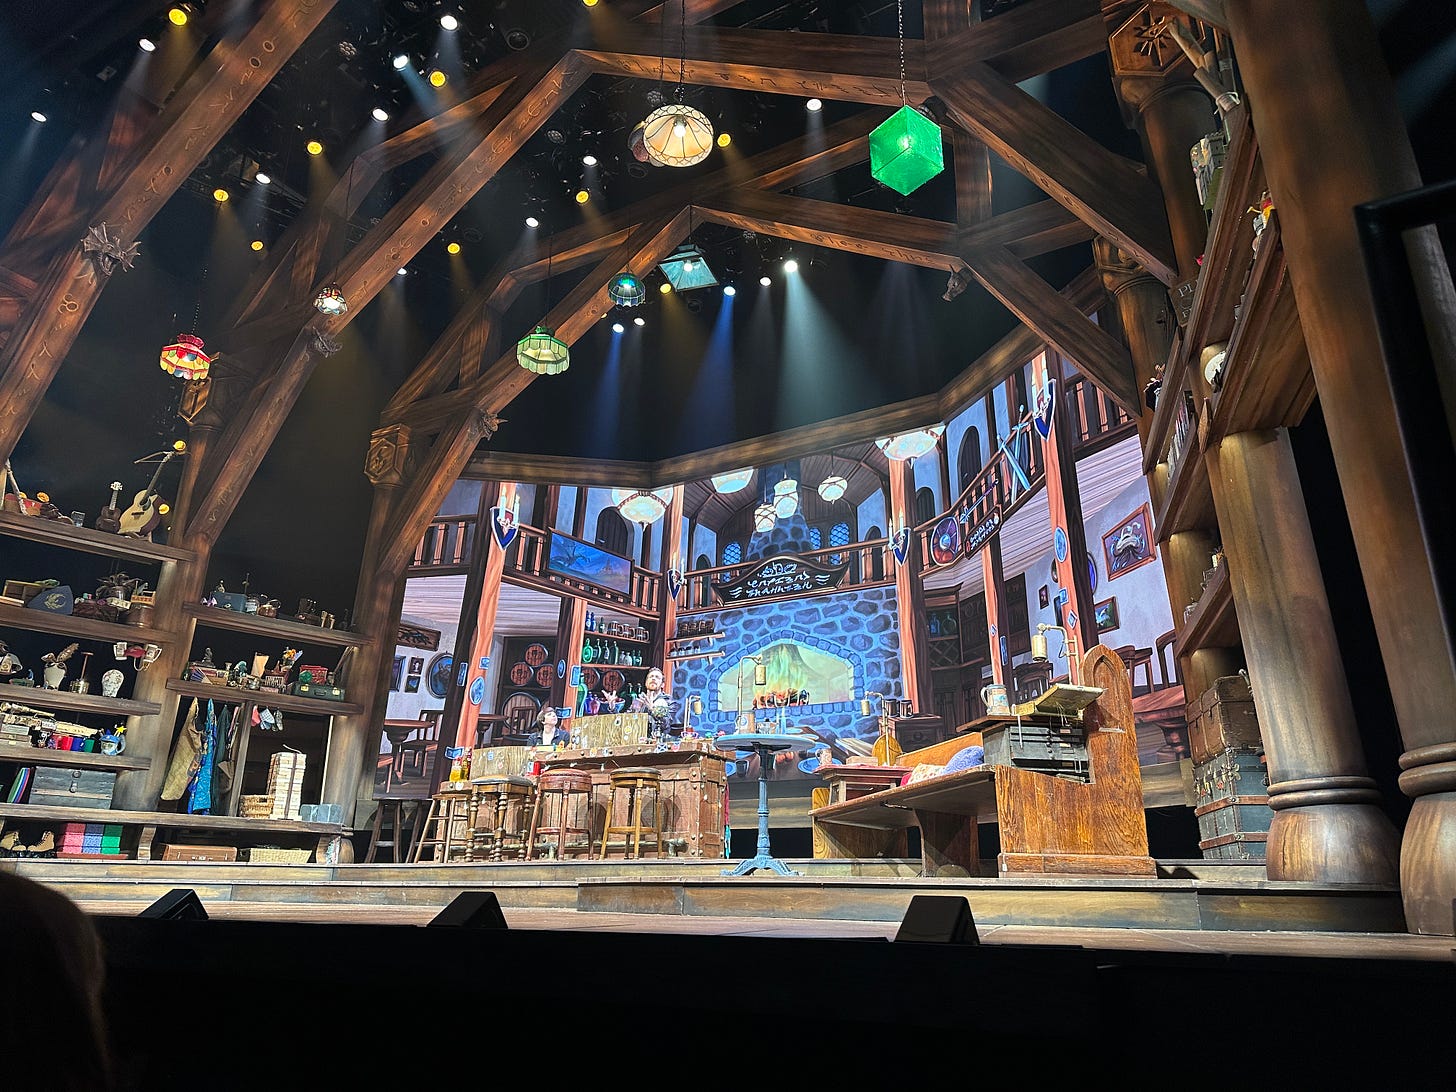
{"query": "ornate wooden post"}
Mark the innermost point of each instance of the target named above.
(1332, 137)
(916, 679)
(483, 630)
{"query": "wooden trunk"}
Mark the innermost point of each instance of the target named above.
(1231, 802)
(72, 788)
(1223, 717)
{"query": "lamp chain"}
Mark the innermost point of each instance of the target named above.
(900, 14)
(682, 57)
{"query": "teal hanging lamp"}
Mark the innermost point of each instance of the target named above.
(905, 149)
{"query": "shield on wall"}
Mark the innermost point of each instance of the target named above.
(900, 544)
(503, 526)
(1046, 406)
(674, 582)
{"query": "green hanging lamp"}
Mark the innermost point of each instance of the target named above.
(905, 149)
(541, 352)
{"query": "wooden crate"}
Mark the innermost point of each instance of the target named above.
(72, 788)
(1222, 718)
(199, 853)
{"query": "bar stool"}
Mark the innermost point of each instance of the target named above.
(393, 829)
(446, 829)
(498, 816)
(562, 815)
(630, 787)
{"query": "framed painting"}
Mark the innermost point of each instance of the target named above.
(1043, 597)
(416, 665)
(397, 673)
(1129, 545)
(1105, 614)
(412, 684)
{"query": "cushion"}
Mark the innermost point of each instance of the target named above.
(966, 759)
(921, 772)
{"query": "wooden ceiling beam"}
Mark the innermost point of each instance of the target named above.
(1103, 189)
(1039, 306)
(847, 68)
(205, 107)
(1035, 37)
(1210, 11)
(647, 245)
(1033, 229)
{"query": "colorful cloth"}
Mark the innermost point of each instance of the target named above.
(199, 792)
(183, 762)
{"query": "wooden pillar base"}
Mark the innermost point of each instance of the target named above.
(1428, 848)
(1330, 830)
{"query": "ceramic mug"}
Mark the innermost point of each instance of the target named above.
(994, 698)
(112, 745)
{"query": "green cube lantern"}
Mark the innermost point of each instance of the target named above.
(905, 150)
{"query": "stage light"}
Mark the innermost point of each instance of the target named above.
(437, 78)
(314, 148)
(582, 197)
(791, 266)
(729, 290)
(589, 160)
(449, 22)
(664, 288)
(257, 244)
(531, 221)
(401, 61)
(765, 281)
(380, 114)
(452, 248)
(618, 328)
(724, 140)
(401, 271)
(814, 105)
(262, 179)
(639, 321)
(588, 3)
(177, 16)
(219, 195)
(148, 46)
(36, 115)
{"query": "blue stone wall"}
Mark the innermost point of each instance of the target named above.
(860, 627)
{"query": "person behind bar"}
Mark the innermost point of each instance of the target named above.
(652, 701)
(548, 731)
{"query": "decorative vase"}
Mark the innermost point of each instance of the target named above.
(111, 683)
(54, 675)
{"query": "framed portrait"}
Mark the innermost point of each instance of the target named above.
(1105, 614)
(1043, 597)
(412, 684)
(416, 665)
(1129, 545)
(397, 673)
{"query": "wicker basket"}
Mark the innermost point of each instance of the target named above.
(255, 807)
(271, 855)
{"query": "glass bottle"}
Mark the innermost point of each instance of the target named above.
(591, 622)
(586, 651)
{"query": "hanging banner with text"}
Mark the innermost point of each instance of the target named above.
(781, 577)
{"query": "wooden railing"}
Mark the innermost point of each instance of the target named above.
(446, 545)
(1097, 421)
(870, 565)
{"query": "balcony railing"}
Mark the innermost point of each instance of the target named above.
(869, 566)
(446, 546)
(1097, 421)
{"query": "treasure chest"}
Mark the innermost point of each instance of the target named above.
(1223, 718)
(72, 788)
(1231, 803)
(1039, 745)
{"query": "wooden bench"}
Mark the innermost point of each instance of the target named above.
(1048, 823)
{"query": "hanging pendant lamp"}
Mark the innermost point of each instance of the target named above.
(185, 358)
(905, 149)
(674, 135)
(626, 290)
(330, 301)
(834, 486)
(541, 352)
(640, 505)
(910, 445)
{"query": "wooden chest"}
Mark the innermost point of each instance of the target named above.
(1223, 717)
(1231, 802)
(199, 853)
(1033, 745)
(72, 788)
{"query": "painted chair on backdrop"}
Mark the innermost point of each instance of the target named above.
(415, 749)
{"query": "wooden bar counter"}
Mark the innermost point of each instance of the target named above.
(694, 777)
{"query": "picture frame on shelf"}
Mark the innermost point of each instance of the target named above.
(1105, 614)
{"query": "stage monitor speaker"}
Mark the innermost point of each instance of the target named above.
(179, 904)
(472, 910)
(938, 919)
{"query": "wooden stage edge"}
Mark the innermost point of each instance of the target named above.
(680, 894)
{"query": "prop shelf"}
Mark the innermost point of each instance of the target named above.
(282, 628)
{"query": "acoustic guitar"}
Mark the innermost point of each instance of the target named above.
(147, 508)
(110, 518)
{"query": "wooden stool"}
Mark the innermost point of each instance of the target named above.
(390, 812)
(446, 829)
(630, 786)
(563, 810)
(498, 816)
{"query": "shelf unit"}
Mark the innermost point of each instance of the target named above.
(65, 701)
(68, 536)
(70, 760)
(1213, 622)
(713, 654)
(68, 625)
(289, 703)
(284, 629)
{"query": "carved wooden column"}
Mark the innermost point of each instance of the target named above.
(377, 601)
(915, 675)
(483, 631)
(1331, 137)
(1170, 112)
(995, 580)
(1328, 824)
(672, 562)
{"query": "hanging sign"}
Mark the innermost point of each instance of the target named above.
(981, 533)
(1046, 406)
(781, 577)
(900, 544)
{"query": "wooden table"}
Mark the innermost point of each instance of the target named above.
(852, 780)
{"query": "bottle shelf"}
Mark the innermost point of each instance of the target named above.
(713, 655)
(284, 629)
(713, 636)
(65, 701)
(84, 540)
(602, 666)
